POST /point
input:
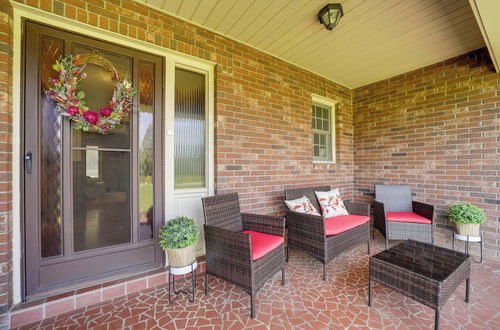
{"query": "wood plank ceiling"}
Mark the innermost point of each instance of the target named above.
(376, 39)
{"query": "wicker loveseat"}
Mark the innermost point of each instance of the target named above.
(244, 249)
(397, 217)
(311, 233)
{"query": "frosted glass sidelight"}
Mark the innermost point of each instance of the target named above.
(190, 129)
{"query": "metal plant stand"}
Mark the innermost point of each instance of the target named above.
(173, 271)
(470, 239)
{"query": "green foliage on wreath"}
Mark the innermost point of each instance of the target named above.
(72, 105)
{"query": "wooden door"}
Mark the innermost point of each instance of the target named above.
(92, 202)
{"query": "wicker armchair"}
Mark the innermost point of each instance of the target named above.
(308, 232)
(229, 252)
(397, 217)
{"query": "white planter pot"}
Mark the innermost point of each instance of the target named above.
(182, 257)
(468, 229)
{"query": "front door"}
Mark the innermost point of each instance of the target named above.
(92, 202)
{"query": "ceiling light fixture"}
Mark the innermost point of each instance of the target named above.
(330, 15)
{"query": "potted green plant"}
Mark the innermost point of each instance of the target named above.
(179, 237)
(467, 218)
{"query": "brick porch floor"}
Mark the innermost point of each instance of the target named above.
(305, 302)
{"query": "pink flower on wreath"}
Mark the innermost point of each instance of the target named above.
(104, 128)
(75, 101)
(106, 112)
(72, 110)
(91, 117)
(55, 80)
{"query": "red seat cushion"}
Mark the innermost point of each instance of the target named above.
(262, 243)
(342, 223)
(406, 217)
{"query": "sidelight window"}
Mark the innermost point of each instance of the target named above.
(190, 129)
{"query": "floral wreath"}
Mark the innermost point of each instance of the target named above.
(72, 105)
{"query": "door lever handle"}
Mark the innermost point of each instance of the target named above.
(28, 162)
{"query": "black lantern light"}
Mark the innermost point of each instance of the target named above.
(330, 15)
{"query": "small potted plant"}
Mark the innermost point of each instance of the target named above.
(179, 237)
(467, 218)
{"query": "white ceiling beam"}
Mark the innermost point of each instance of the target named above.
(486, 12)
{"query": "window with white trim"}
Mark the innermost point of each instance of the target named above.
(323, 127)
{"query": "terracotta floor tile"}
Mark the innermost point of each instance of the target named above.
(305, 302)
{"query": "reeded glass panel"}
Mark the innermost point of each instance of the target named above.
(146, 145)
(50, 155)
(98, 88)
(190, 129)
(101, 205)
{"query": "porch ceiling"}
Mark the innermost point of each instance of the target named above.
(376, 39)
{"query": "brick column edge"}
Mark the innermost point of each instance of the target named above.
(6, 184)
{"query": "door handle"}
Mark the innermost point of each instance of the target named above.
(28, 162)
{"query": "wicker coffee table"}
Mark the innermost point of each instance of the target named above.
(424, 272)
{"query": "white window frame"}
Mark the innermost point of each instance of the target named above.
(328, 103)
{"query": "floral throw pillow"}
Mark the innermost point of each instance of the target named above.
(331, 203)
(302, 205)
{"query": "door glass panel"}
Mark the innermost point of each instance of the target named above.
(101, 164)
(146, 156)
(190, 129)
(122, 63)
(50, 154)
(98, 88)
(101, 203)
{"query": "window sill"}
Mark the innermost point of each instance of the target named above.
(324, 162)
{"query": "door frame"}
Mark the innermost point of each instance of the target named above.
(171, 59)
(74, 268)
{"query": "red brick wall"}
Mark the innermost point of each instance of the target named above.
(263, 105)
(437, 129)
(5, 155)
(263, 134)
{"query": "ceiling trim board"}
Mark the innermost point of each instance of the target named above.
(486, 13)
